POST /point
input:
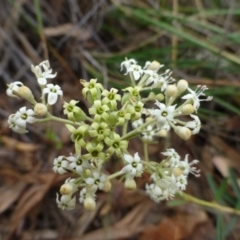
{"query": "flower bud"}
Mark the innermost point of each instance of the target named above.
(187, 109)
(89, 204)
(152, 96)
(88, 172)
(183, 132)
(148, 119)
(26, 93)
(154, 65)
(40, 109)
(130, 184)
(171, 91)
(66, 189)
(177, 172)
(162, 133)
(182, 86)
(107, 186)
(160, 97)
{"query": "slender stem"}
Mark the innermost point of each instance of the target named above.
(145, 150)
(89, 119)
(115, 175)
(132, 79)
(124, 129)
(137, 131)
(213, 205)
(56, 119)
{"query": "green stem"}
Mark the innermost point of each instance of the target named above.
(124, 129)
(56, 119)
(204, 203)
(145, 150)
(89, 119)
(137, 131)
(132, 79)
(114, 175)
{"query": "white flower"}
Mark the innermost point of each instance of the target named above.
(187, 167)
(137, 123)
(134, 166)
(127, 63)
(84, 193)
(181, 182)
(53, 92)
(13, 88)
(195, 95)
(136, 70)
(195, 124)
(165, 114)
(153, 77)
(174, 157)
(147, 63)
(13, 125)
(165, 79)
(76, 163)
(66, 202)
(156, 193)
(148, 134)
(96, 181)
(60, 165)
(23, 116)
(42, 72)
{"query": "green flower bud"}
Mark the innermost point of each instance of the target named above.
(125, 98)
(160, 97)
(113, 119)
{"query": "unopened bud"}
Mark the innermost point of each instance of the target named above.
(26, 93)
(177, 172)
(162, 133)
(182, 86)
(88, 172)
(130, 184)
(155, 66)
(89, 204)
(183, 132)
(40, 109)
(160, 97)
(152, 96)
(148, 119)
(107, 186)
(187, 109)
(66, 189)
(171, 91)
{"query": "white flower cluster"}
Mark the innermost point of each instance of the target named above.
(167, 113)
(170, 176)
(96, 137)
(17, 122)
(91, 178)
